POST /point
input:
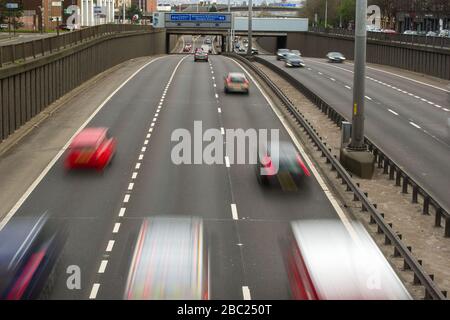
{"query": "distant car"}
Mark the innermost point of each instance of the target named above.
(281, 53)
(280, 160)
(186, 48)
(293, 60)
(208, 40)
(297, 52)
(389, 31)
(207, 48)
(410, 32)
(335, 57)
(327, 260)
(30, 248)
(236, 82)
(432, 34)
(4, 26)
(170, 260)
(91, 148)
(201, 55)
(444, 33)
(242, 49)
(245, 40)
(255, 51)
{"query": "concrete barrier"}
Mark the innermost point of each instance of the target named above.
(28, 87)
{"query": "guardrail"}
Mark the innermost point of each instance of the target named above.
(409, 261)
(415, 40)
(27, 50)
(402, 177)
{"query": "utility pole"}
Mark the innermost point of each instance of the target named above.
(326, 13)
(250, 10)
(123, 11)
(355, 157)
(359, 77)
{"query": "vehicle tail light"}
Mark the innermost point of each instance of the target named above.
(302, 165)
(266, 162)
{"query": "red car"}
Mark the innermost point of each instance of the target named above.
(91, 148)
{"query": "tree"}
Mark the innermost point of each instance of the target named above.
(346, 11)
(14, 14)
(132, 10)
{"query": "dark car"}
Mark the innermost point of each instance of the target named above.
(30, 248)
(279, 161)
(281, 53)
(293, 60)
(201, 55)
(335, 57)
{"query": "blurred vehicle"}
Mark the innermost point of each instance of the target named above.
(293, 60)
(207, 48)
(30, 248)
(421, 33)
(410, 32)
(242, 50)
(3, 26)
(372, 28)
(237, 45)
(335, 57)
(91, 148)
(297, 52)
(236, 82)
(281, 53)
(245, 41)
(201, 55)
(255, 51)
(283, 155)
(208, 40)
(444, 33)
(327, 261)
(389, 31)
(65, 27)
(432, 34)
(186, 48)
(170, 261)
(197, 50)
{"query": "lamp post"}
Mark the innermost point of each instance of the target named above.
(250, 10)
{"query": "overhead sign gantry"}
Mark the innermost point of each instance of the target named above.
(193, 20)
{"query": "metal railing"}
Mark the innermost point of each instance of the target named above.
(415, 40)
(402, 178)
(409, 261)
(24, 51)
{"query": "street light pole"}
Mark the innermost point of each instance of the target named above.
(357, 142)
(326, 13)
(250, 10)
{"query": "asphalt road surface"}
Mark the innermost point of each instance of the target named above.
(244, 246)
(407, 119)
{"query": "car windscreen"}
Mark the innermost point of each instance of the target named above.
(237, 79)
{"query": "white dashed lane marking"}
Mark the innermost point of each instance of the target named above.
(110, 245)
(116, 227)
(392, 111)
(414, 125)
(94, 291)
(126, 198)
(246, 293)
(234, 213)
(122, 212)
(102, 267)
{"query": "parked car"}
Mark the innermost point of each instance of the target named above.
(432, 34)
(389, 31)
(293, 60)
(410, 32)
(236, 82)
(335, 57)
(281, 53)
(91, 148)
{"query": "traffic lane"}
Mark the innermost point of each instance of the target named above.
(428, 114)
(163, 188)
(422, 156)
(265, 213)
(88, 200)
(425, 88)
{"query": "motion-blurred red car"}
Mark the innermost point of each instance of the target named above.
(91, 148)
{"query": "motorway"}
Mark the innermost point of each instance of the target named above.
(405, 117)
(244, 221)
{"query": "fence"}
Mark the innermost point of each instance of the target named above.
(28, 88)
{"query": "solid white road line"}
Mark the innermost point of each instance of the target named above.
(110, 245)
(94, 291)
(246, 293)
(102, 267)
(63, 149)
(234, 213)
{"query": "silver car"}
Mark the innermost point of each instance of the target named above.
(170, 260)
